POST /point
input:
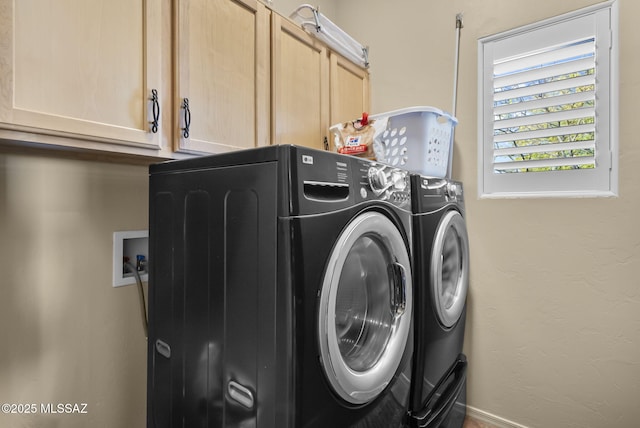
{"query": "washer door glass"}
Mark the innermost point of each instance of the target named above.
(365, 308)
(450, 268)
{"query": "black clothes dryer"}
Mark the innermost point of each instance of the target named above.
(441, 277)
(280, 291)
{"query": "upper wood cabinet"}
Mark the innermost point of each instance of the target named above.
(300, 86)
(221, 75)
(168, 78)
(82, 69)
(349, 89)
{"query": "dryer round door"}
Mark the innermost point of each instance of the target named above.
(450, 268)
(365, 308)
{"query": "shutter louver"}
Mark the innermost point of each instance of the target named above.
(544, 109)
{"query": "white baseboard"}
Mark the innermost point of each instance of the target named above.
(488, 418)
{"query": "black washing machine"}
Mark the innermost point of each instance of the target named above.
(280, 291)
(441, 277)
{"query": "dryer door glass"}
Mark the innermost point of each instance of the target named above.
(450, 268)
(365, 308)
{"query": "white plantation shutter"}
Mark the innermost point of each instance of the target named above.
(543, 119)
(547, 107)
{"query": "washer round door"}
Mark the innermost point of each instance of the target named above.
(365, 308)
(450, 268)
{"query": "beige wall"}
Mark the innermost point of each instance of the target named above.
(66, 335)
(553, 333)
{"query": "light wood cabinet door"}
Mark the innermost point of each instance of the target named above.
(349, 90)
(221, 74)
(300, 86)
(81, 69)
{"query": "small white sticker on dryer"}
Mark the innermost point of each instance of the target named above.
(307, 159)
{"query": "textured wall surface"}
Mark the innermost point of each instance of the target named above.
(68, 336)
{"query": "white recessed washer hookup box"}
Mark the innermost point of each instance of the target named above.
(130, 251)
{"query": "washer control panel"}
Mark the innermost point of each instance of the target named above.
(431, 193)
(329, 181)
(382, 182)
(450, 190)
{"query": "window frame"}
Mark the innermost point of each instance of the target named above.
(601, 181)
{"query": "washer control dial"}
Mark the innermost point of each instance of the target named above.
(453, 190)
(377, 179)
(400, 182)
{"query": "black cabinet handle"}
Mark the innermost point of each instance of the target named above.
(156, 110)
(187, 118)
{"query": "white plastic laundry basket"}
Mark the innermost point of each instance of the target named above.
(418, 139)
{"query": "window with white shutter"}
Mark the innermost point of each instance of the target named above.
(547, 107)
